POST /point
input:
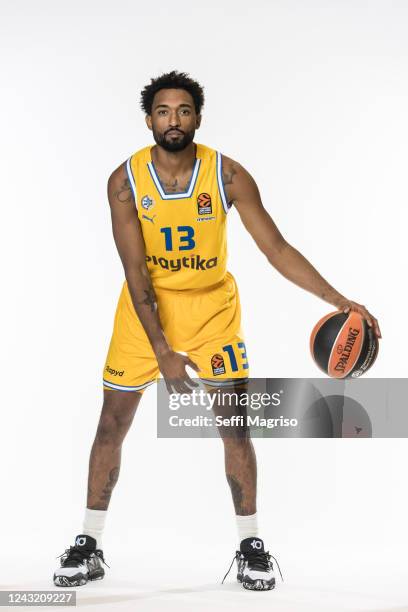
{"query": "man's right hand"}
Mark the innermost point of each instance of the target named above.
(172, 365)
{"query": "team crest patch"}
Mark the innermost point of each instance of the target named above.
(204, 204)
(217, 364)
(147, 202)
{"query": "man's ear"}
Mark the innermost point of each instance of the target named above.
(198, 121)
(148, 120)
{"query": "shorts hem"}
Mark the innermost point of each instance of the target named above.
(129, 388)
(224, 382)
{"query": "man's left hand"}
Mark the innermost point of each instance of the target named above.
(347, 305)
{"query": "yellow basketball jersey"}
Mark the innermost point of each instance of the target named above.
(184, 233)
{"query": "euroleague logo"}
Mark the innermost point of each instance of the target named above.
(217, 364)
(204, 204)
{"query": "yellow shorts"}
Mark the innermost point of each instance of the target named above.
(204, 323)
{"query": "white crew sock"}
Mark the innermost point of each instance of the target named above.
(94, 523)
(247, 526)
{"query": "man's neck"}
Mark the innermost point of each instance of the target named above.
(174, 162)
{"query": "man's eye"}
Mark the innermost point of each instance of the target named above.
(162, 112)
(185, 112)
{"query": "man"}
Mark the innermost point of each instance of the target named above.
(169, 204)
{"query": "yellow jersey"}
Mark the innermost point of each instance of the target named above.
(184, 233)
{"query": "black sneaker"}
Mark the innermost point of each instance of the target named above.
(80, 563)
(255, 568)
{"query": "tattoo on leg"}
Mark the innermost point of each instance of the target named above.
(107, 491)
(124, 193)
(150, 299)
(237, 496)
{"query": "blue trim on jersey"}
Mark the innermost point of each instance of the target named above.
(221, 183)
(182, 194)
(126, 387)
(131, 179)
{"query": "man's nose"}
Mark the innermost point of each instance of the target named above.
(174, 118)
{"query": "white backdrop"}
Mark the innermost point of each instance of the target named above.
(311, 97)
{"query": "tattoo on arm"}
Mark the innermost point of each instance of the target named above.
(150, 299)
(124, 193)
(228, 179)
(228, 175)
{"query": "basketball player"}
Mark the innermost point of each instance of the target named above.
(169, 204)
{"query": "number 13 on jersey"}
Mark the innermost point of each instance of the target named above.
(238, 358)
(185, 235)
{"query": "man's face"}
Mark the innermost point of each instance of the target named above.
(173, 119)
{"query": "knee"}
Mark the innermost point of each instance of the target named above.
(112, 429)
(116, 417)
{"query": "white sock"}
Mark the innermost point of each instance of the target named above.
(247, 526)
(94, 523)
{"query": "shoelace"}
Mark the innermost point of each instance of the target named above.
(256, 560)
(99, 554)
(75, 555)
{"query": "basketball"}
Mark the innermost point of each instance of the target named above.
(343, 345)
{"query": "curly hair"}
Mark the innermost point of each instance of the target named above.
(172, 80)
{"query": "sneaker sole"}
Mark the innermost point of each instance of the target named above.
(72, 581)
(257, 585)
(78, 579)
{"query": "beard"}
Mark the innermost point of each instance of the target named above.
(172, 143)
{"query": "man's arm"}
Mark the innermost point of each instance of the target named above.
(242, 190)
(131, 248)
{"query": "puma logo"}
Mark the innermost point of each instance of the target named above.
(151, 219)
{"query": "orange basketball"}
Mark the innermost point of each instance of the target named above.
(343, 345)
